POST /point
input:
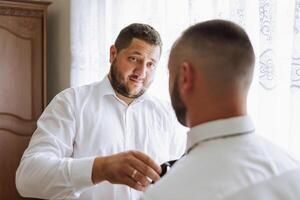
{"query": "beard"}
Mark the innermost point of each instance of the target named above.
(177, 103)
(118, 83)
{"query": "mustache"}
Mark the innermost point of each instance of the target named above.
(136, 77)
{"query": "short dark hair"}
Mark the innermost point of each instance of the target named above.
(140, 31)
(221, 50)
(224, 47)
(221, 39)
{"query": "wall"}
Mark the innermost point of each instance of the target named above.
(59, 54)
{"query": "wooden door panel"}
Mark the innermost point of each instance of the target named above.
(16, 75)
(21, 66)
(22, 83)
(12, 146)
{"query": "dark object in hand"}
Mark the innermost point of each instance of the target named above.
(165, 167)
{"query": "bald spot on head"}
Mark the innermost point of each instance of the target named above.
(221, 51)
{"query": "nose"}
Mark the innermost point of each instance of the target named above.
(141, 70)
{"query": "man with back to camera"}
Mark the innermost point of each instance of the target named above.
(211, 67)
(94, 141)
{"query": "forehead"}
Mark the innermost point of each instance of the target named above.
(143, 48)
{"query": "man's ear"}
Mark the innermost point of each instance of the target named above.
(186, 78)
(112, 53)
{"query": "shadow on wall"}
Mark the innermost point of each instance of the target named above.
(59, 53)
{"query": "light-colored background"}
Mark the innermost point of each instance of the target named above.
(83, 30)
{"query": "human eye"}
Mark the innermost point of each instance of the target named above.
(133, 59)
(151, 65)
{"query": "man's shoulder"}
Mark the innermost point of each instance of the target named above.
(278, 157)
(156, 100)
(282, 186)
(88, 87)
(80, 89)
(75, 94)
(158, 103)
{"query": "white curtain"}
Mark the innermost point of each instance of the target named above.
(273, 27)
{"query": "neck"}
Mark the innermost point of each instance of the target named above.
(127, 100)
(198, 115)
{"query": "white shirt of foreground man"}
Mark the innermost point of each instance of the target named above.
(80, 149)
(211, 67)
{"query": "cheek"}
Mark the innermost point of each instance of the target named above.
(124, 71)
(125, 68)
(150, 76)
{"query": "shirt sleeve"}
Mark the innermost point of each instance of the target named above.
(47, 169)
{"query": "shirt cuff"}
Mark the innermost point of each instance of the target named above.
(81, 173)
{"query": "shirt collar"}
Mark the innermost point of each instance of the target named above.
(219, 128)
(107, 89)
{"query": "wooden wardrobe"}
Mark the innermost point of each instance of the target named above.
(23, 93)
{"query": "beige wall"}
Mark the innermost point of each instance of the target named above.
(59, 55)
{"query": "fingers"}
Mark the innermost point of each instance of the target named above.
(133, 184)
(140, 178)
(144, 170)
(132, 168)
(147, 160)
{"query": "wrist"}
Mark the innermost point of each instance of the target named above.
(98, 171)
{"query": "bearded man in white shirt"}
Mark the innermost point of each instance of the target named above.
(94, 141)
(211, 67)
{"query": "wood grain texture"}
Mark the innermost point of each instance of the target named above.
(23, 95)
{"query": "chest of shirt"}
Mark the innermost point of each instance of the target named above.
(111, 127)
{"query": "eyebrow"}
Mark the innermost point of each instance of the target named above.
(138, 53)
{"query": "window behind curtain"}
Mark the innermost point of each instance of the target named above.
(273, 27)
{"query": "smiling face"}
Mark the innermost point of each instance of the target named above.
(132, 68)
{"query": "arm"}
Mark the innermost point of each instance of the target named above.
(47, 169)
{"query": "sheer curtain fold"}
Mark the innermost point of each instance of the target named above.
(295, 83)
(273, 27)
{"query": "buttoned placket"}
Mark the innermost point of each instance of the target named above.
(129, 135)
(128, 142)
(128, 132)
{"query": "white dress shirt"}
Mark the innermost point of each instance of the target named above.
(285, 186)
(224, 157)
(88, 121)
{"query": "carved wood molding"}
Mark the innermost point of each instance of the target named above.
(16, 133)
(16, 34)
(11, 115)
(16, 124)
(21, 12)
